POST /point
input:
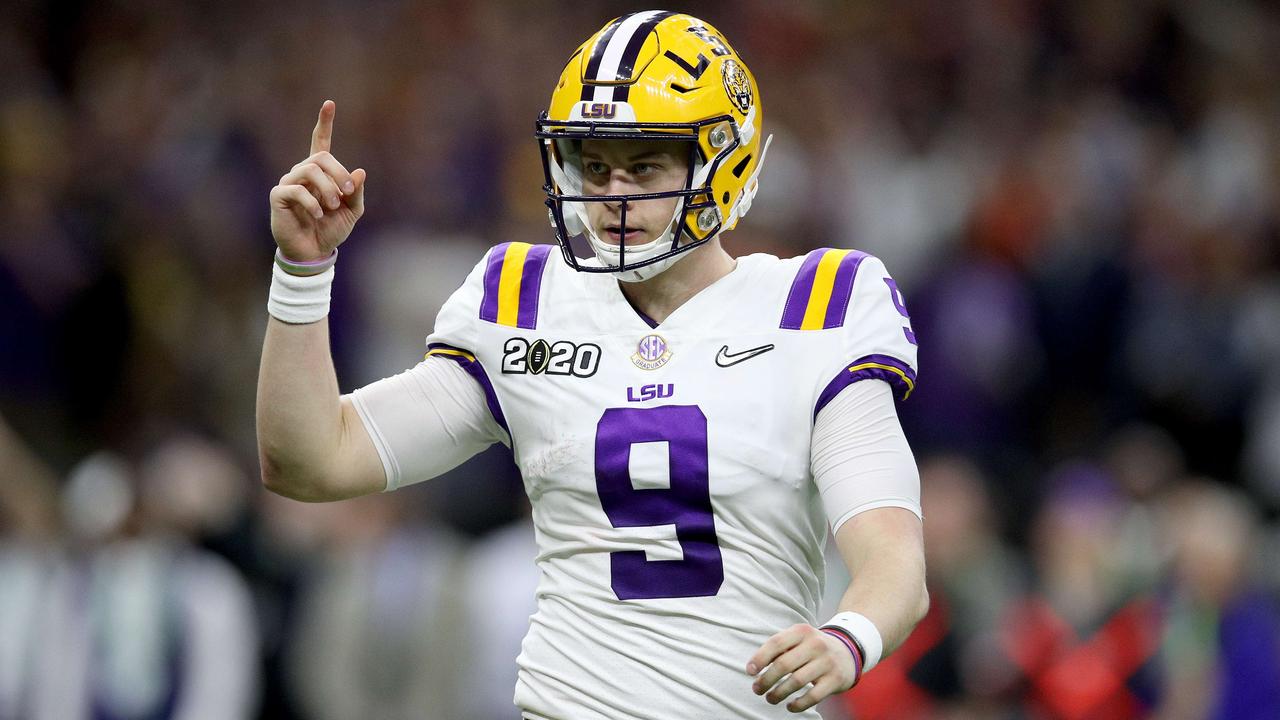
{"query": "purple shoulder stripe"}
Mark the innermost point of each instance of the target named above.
(492, 278)
(900, 376)
(801, 289)
(821, 290)
(512, 284)
(472, 365)
(842, 289)
(531, 286)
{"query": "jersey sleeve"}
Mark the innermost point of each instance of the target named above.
(502, 289)
(456, 336)
(876, 341)
(437, 414)
(859, 456)
(425, 421)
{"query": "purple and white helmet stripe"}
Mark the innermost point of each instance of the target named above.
(614, 56)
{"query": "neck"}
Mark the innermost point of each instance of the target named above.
(659, 296)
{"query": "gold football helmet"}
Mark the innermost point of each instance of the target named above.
(654, 75)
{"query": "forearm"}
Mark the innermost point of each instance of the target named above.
(311, 444)
(299, 412)
(883, 550)
(888, 585)
(870, 486)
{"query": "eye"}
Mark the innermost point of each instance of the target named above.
(596, 168)
(644, 168)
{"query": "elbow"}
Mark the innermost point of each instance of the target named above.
(281, 473)
(271, 469)
(284, 483)
(921, 607)
(312, 483)
(922, 600)
(302, 492)
(274, 479)
(922, 604)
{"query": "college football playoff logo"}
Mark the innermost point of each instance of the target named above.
(651, 353)
(561, 357)
(737, 85)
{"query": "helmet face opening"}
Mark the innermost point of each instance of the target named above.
(652, 75)
(696, 218)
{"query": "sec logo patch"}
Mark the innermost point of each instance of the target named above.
(652, 352)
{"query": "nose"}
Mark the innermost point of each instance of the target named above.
(619, 184)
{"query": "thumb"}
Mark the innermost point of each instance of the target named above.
(356, 200)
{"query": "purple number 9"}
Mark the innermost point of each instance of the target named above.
(685, 504)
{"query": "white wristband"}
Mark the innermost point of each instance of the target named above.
(863, 632)
(299, 300)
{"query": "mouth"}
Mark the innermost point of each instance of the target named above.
(615, 234)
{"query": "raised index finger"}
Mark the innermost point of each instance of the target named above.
(322, 136)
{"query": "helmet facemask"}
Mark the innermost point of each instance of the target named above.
(695, 220)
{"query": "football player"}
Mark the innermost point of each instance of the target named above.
(688, 424)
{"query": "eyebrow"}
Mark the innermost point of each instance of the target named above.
(646, 155)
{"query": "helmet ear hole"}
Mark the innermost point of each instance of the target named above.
(708, 218)
(720, 136)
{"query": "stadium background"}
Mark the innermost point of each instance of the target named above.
(1080, 201)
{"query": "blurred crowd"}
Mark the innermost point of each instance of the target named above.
(1080, 200)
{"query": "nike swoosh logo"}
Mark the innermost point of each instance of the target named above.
(725, 359)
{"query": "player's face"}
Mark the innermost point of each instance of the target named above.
(628, 167)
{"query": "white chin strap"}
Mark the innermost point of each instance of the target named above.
(609, 254)
(569, 176)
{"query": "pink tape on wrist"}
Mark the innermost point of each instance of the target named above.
(318, 261)
(853, 650)
(306, 267)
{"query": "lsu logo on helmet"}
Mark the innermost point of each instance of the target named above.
(599, 110)
(736, 85)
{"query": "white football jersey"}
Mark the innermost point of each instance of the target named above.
(676, 517)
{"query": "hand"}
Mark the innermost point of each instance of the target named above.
(808, 655)
(317, 203)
